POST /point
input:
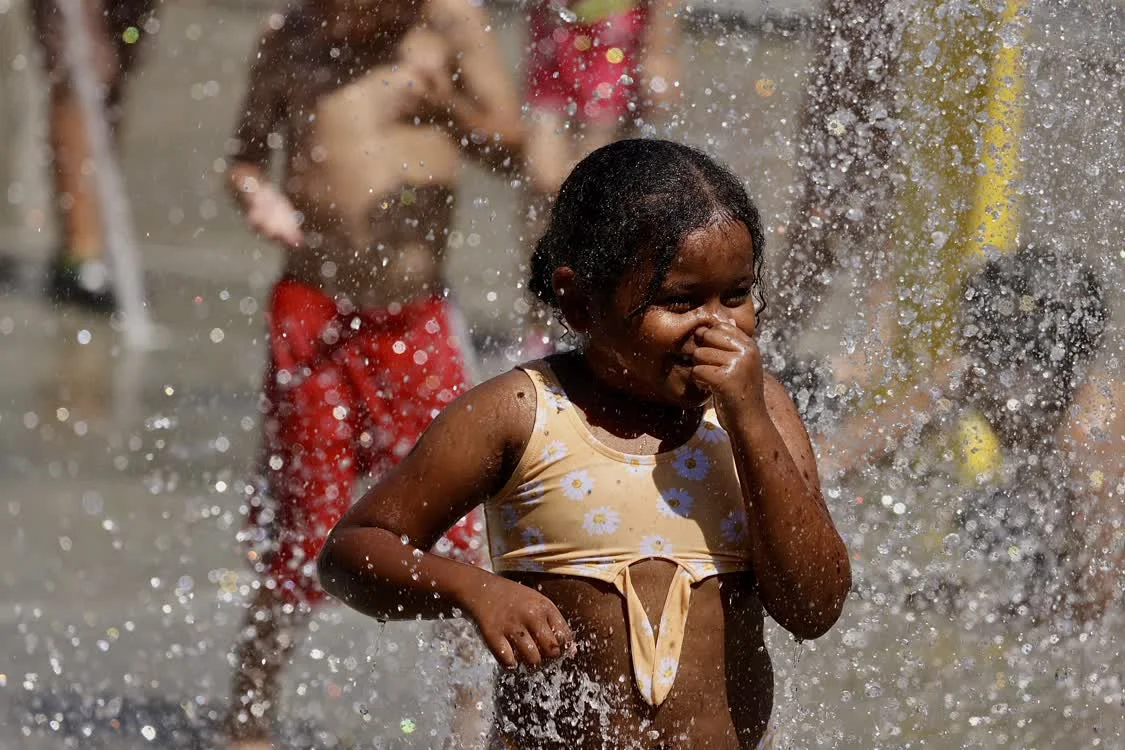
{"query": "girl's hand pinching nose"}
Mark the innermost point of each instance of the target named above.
(729, 364)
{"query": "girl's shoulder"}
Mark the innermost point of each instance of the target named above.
(499, 410)
(479, 438)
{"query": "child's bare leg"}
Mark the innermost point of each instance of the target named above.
(79, 217)
(76, 200)
(268, 635)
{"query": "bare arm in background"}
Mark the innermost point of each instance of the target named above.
(483, 107)
(267, 210)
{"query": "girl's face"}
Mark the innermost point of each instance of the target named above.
(649, 353)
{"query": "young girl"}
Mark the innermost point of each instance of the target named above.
(650, 496)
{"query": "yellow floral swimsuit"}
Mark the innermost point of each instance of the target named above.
(576, 507)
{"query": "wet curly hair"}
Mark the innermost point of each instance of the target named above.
(630, 205)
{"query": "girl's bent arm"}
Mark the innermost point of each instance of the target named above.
(799, 559)
(376, 560)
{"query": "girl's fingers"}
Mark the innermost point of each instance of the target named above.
(525, 647)
(560, 628)
(708, 375)
(721, 337)
(503, 652)
(708, 355)
(545, 639)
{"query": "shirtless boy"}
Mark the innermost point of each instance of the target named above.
(373, 103)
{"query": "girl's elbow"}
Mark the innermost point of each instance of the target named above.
(825, 617)
(815, 622)
(329, 571)
(822, 611)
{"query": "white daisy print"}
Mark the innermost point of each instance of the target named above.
(711, 432)
(675, 503)
(509, 517)
(555, 398)
(555, 451)
(665, 672)
(691, 463)
(533, 541)
(636, 466)
(577, 485)
(734, 527)
(601, 521)
(532, 492)
(655, 546)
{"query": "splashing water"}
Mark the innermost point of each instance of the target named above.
(123, 586)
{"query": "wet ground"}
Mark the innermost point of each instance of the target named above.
(121, 583)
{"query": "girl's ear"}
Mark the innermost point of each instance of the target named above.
(573, 300)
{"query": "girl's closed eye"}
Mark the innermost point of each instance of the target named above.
(677, 303)
(737, 297)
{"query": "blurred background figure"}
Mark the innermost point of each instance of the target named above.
(1011, 440)
(846, 142)
(596, 71)
(79, 274)
(372, 108)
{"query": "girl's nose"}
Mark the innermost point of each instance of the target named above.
(718, 314)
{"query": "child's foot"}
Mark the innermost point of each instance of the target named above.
(82, 283)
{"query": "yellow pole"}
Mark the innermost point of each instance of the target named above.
(962, 129)
(994, 221)
(963, 205)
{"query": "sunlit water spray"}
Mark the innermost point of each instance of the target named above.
(138, 331)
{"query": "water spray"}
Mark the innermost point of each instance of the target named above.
(117, 222)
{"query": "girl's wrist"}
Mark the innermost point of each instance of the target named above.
(755, 434)
(465, 585)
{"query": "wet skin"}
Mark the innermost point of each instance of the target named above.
(641, 385)
(366, 98)
(724, 687)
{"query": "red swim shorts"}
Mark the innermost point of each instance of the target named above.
(590, 65)
(346, 396)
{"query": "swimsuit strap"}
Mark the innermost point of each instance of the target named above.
(656, 656)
